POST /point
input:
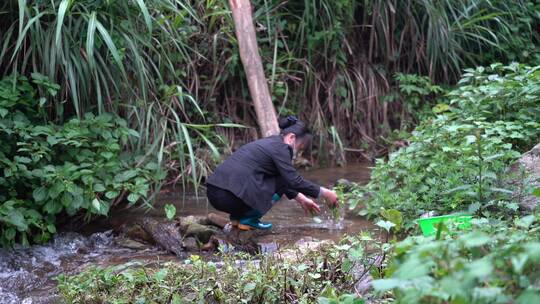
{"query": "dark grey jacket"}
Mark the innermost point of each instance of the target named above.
(258, 170)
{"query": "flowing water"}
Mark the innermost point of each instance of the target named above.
(27, 274)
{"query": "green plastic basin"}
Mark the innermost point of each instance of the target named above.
(429, 225)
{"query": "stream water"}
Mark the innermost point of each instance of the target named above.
(27, 274)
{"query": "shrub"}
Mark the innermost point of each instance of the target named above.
(497, 262)
(49, 171)
(456, 159)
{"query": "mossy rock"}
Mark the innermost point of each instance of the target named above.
(203, 233)
(187, 221)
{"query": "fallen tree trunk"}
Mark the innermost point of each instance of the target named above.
(166, 235)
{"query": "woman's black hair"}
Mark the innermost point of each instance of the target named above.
(291, 124)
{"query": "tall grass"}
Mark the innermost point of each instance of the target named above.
(172, 68)
(135, 58)
(340, 56)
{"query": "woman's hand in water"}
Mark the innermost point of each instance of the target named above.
(307, 204)
(330, 197)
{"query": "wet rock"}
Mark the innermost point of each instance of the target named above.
(345, 184)
(364, 280)
(218, 243)
(302, 246)
(101, 239)
(212, 245)
(428, 214)
(190, 244)
(136, 232)
(301, 162)
(247, 241)
(217, 220)
(309, 243)
(131, 244)
(530, 163)
(266, 248)
(200, 232)
(48, 299)
(209, 247)
(187, 221)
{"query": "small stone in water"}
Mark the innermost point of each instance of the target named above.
(317, 220)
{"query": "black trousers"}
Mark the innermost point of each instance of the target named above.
(226, 201)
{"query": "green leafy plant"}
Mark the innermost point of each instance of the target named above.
(170, 211)
(336, 209)
(325, 275)
(417, 94)
(50, 171)
(457, 160)
(497, 262)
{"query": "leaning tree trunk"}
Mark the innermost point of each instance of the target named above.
(251, 59)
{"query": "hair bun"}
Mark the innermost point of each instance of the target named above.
(288, 121)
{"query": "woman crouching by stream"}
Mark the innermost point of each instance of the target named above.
(253, 179)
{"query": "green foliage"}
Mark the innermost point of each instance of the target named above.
(100, 48)
(416, 93)
(457, 160)
(321, 275)
(519, 43)
(497, 262)
(326, 59)
(170, 211)
(49, 171)
(135, 59)
(393, 216)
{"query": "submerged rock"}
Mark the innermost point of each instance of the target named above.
(136, 232)
(131, 244)
(346, 184)
(530, 163)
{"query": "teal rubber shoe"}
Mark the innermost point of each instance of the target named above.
(250, 223)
